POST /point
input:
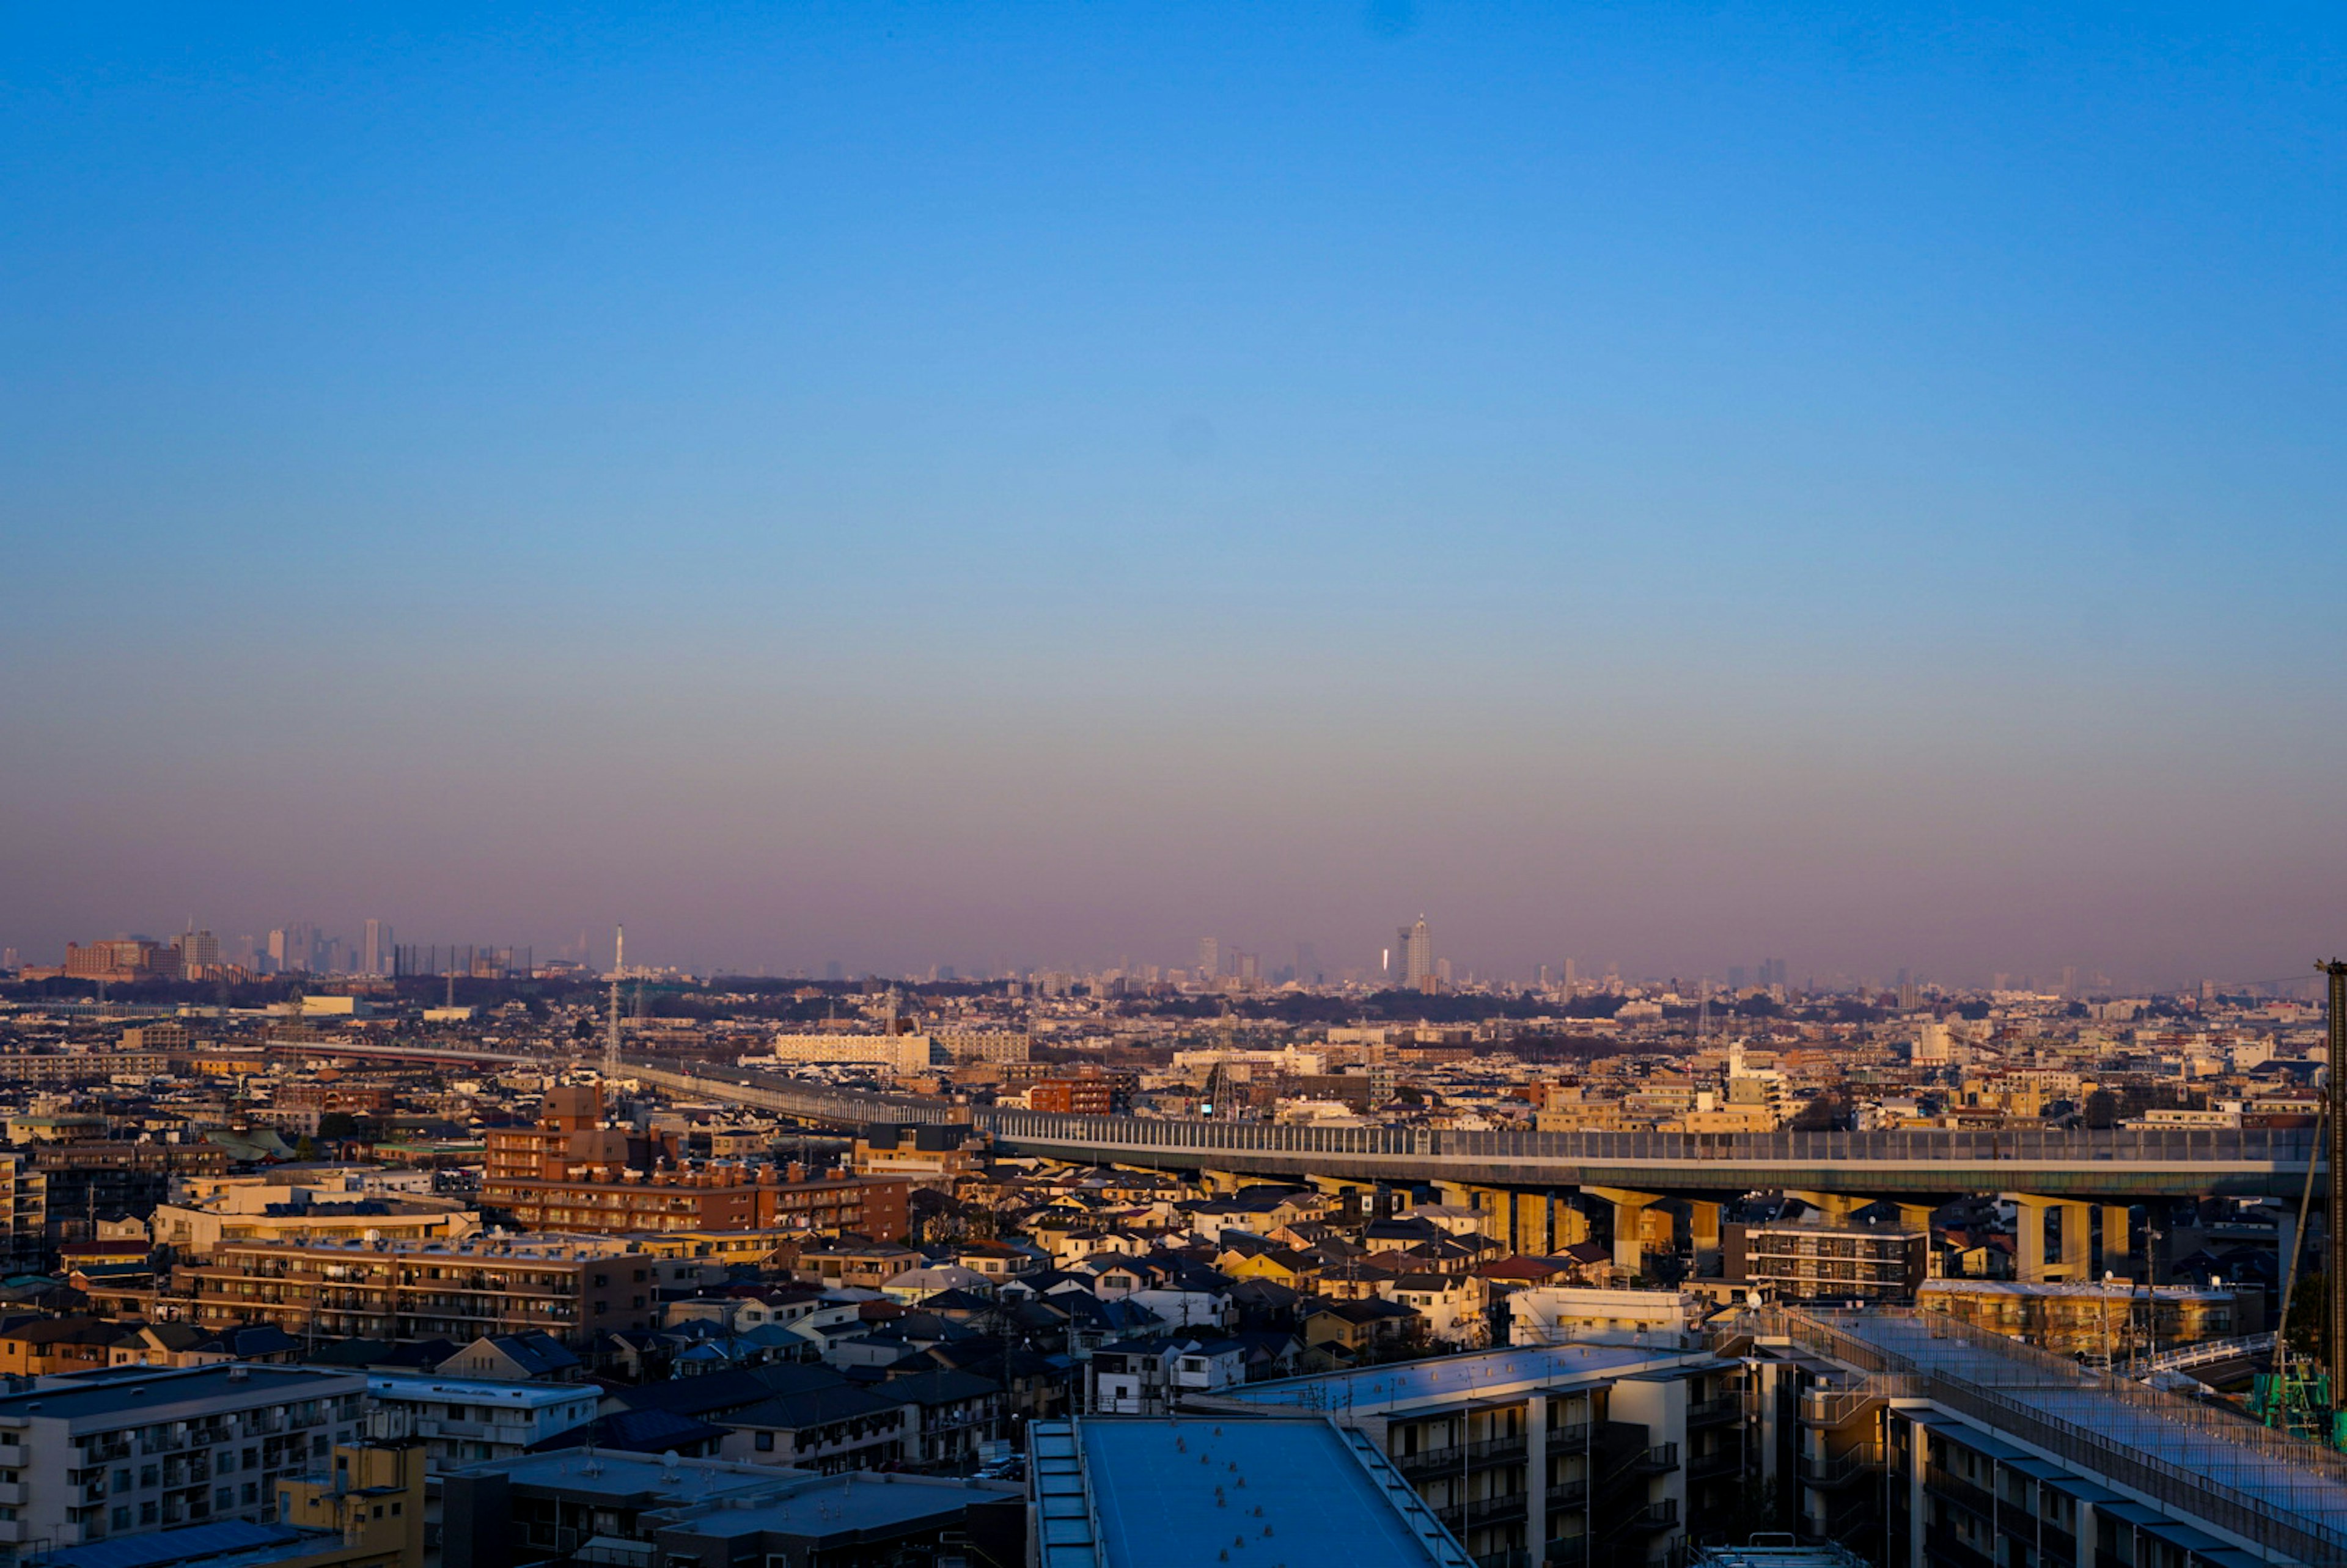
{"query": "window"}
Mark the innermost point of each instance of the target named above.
(146, 1513)
(122, 1519)
(766, 1442)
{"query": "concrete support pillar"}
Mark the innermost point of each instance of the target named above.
(1702, 1231)
(1836, 1206)
(2072, 1260)
(2118, 1241)
(1528, 1222)
(1568, 1226)
(1629, 1240)
(2077, 1223)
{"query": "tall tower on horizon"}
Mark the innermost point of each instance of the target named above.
(1418, 956)
(611, 1020)
(374, 949)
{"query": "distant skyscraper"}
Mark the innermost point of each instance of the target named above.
(1572, 974)
(198, 955)
(278, 952)
(1418, 956)
(374, 949)
(1210, 958)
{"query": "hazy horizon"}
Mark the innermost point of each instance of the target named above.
(1045, 483)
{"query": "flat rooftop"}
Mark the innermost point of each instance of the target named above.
(643, 1481)
(1448, 1380)
(1279, 1492)
(820, 1507)
(121, 1391)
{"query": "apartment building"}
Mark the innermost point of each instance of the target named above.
(135, 1450)
(1921, 1441)
(1078, 1096)
(302, 1214)
(570, 1172)
(2096, 1321)
(1581, 1453)
(572, 1287)
(89, 1180)
(464, 1420)
(64, 1067)
(1794, 1261)
(24, 1213)
(931, 1154)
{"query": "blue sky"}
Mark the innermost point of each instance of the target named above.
(956, 484)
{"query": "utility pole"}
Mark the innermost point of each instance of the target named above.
(2335, 1208)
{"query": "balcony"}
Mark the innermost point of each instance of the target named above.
(1569, 1494)
(1482, 1511)
(1711, 1412)
(1726, 1459)
(1837, 1469)
(1661, 1515)
(1497, 1450)
(1571, 1438)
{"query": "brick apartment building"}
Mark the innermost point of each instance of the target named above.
(572, 1287)
(570, 1172)
(1078, 1096)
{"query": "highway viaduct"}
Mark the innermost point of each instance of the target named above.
(1538, 1189)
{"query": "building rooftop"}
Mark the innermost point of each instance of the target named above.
(117, 1390)
(630, 1480)
(1283, 1491)
(2194, 1456)
(1443, 1378)
(478, 1391)
(227, 1543)
(838, 1508)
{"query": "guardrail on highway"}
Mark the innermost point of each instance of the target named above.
(2270, 1152)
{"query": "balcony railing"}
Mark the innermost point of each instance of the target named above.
(1724, 1460)
(1706, 1412)
(1834, 1470)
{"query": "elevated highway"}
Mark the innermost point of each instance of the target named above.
(2116, 1166)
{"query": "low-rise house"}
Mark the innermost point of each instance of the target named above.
(829, 1428)
(527, 1358)
(464, 1421)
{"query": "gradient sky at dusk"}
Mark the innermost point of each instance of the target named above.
(911, 484)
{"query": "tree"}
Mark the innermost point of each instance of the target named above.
(2102, 1109)
(1829, 1113)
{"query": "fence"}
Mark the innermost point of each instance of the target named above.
(2280, 1492)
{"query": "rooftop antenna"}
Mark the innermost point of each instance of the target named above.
(612, 1023)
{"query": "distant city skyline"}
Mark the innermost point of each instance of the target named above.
(1042, 482)
(1413, 960)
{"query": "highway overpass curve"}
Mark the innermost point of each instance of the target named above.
(2131, 1164)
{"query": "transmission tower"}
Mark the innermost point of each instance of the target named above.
(611, 1020)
